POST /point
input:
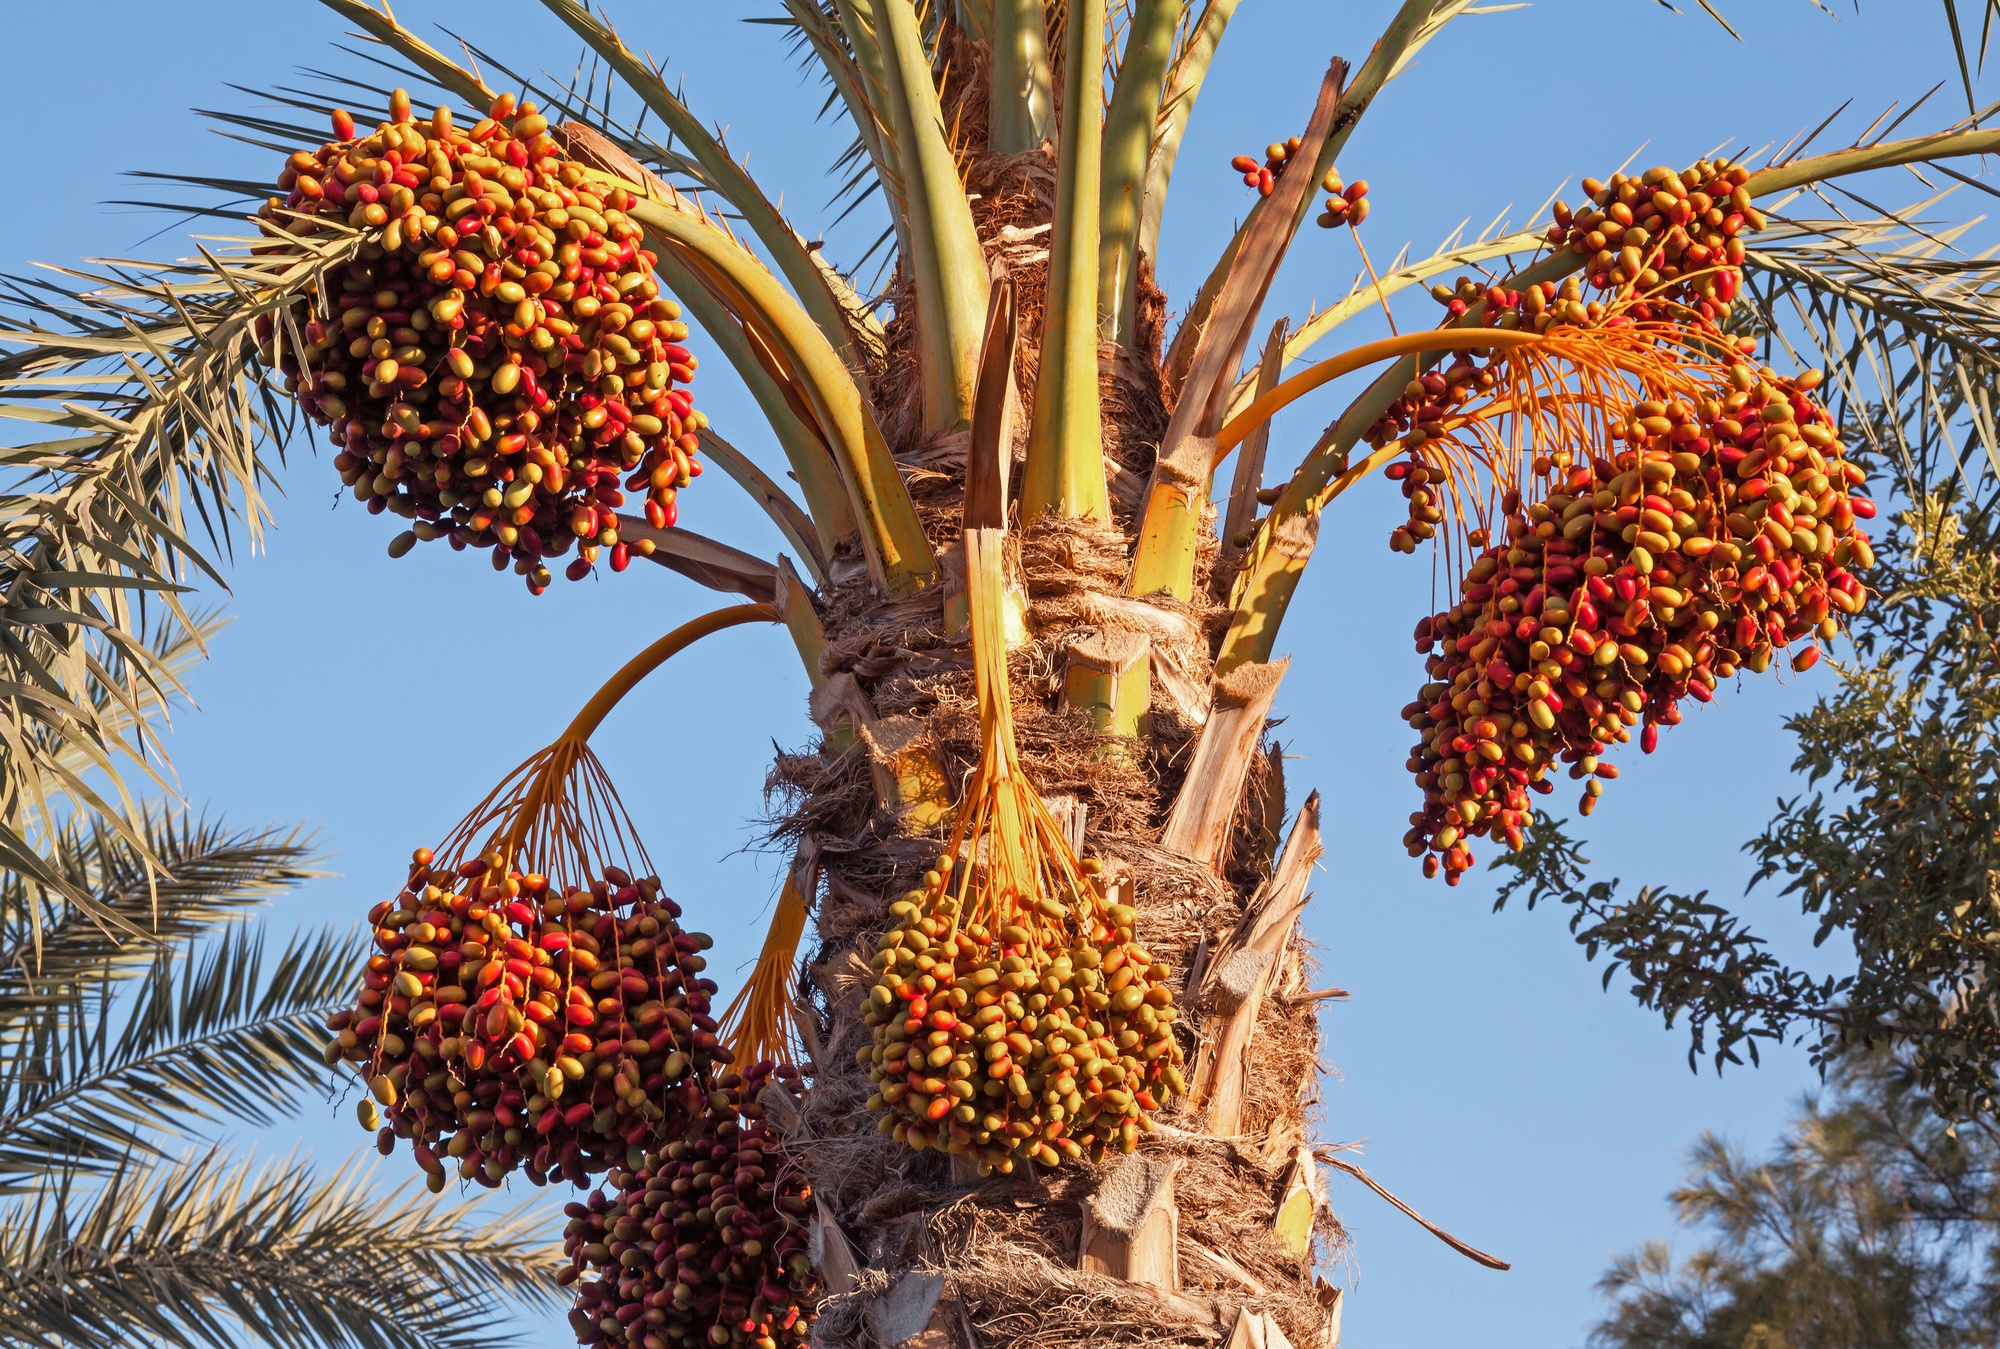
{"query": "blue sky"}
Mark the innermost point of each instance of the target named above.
(1497, 1088)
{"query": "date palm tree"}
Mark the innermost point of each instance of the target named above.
(1026, 379)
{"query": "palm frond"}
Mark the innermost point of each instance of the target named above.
(1709, 9)
(587, 97)
(1194, 51)
(1968, 64)
(176, 649)
(839, 39)
(117, 1017)
(786, 247)
(50, 951)
(1442, 13)
(218, 1031)
(1907, 327)
(212, 1251)
(821, 44)
(142, 414)
(392, 57)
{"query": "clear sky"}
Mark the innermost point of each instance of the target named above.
(373, 701)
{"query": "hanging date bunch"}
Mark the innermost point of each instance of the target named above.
(1719, 534)
(1015, 1016)
(534, 1001)
(1428, 417)
(497, 365)
(703, 1241)
(1673, 240)
(1541, 386)
(1264, 175)
(536, 1005)
(1665, 252)
(1345, 204)
(1025, 1041)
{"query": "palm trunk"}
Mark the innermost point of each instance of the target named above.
(1213, 1221)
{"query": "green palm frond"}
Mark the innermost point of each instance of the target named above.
(868, 164)
(1194, 49)
(1969, 64)
(1907, 327)
(220, 1031)
(52, 951)
(297, 115)
(213, 1251)
(111, 1029)
(139, 414)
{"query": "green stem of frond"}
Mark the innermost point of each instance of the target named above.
(1065, 468)
(946, 264)
(899, 554)
(206, 1251)
(1370, 297)
(728, 178)
(862, 81)
(1183, 86)
(1022, 91)
(805, 450)
(1128, 144)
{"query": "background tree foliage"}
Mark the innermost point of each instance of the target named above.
(1872, 1225)
(1891, 847)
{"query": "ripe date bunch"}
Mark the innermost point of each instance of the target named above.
(1661, 247)
(507, 1022)
(703, 1242)
(496, 363)
(1006, 1047)
(1718, 535)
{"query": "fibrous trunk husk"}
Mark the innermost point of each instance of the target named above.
(946, 1259)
